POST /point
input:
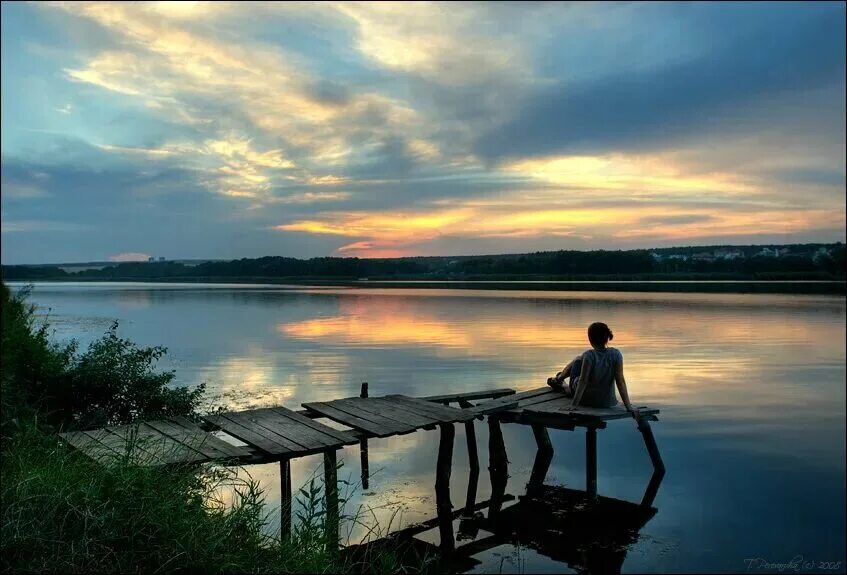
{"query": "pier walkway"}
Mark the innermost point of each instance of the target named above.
(278, 434)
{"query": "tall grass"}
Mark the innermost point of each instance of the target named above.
(62, 512)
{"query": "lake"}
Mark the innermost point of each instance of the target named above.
(751, 389)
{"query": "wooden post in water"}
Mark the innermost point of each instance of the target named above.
(498, 466)
(591, 461)
(543, 457)
(363, 447)
(473, 461)
(444, 467)
(655, 458)
(652, 489)
(443, 470)
(650, 442)
(285, 498)
(331, 492)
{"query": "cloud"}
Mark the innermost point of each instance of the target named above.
(152, 153)
(796, 50)
(20, 226)
(19, 191)
(183, 74)
(438, 41)
(617, 221)
(362, 128)
(637, 174)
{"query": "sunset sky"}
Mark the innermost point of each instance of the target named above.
(225, 130)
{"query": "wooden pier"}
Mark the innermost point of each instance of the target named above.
(279, 434)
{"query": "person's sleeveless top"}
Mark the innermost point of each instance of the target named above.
(600, 391)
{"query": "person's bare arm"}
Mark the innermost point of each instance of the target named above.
(584, 374)
(620, 381)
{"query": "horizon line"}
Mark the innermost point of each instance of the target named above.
(188, 259)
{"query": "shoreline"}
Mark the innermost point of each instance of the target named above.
(819, 287)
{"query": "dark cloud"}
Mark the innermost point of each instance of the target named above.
(676, 219)
(819, 176)
(797, 50)
(329, 92)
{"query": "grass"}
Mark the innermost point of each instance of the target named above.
(62, 512)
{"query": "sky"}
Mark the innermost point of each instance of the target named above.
(228, 130)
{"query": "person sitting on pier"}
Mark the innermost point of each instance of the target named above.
(594, 374)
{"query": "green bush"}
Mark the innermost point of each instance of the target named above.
(113, 382)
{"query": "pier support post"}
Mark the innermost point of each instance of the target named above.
(652, 489)
(363, 447)
(543, 457)
(331, 491)
(443, 470)
(652, 448)
(285, 498)
(473, 462)
(655, 458)
(542, 438)
(591, 462)
(498, 466)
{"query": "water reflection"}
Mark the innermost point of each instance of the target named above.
(572, 527)
(751, 389)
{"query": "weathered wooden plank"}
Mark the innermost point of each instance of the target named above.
(183, 421)
(424, 409)
(544, 399)
(199, 440)
(263, 424)
(90, 446)
(384, 411)
(242, 450)
(469, 395)
(119, 444)
(247, 435)
(401, 412)
(564, 408)
(442, 413)
(428, 409)
(183, 437)
(404, 415)
(532, 403)
(295, 431)
(162, 448)
(110, 440)
(365, 425)
(357, 407)
(345, 437)
(134, 447)
(520, 396)
(510, 401)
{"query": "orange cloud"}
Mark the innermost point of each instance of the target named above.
(635, 173)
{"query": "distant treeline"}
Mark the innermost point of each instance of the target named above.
(805, 261)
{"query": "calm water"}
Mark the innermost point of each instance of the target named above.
(751, 388)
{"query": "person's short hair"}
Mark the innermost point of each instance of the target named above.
(599, 334)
